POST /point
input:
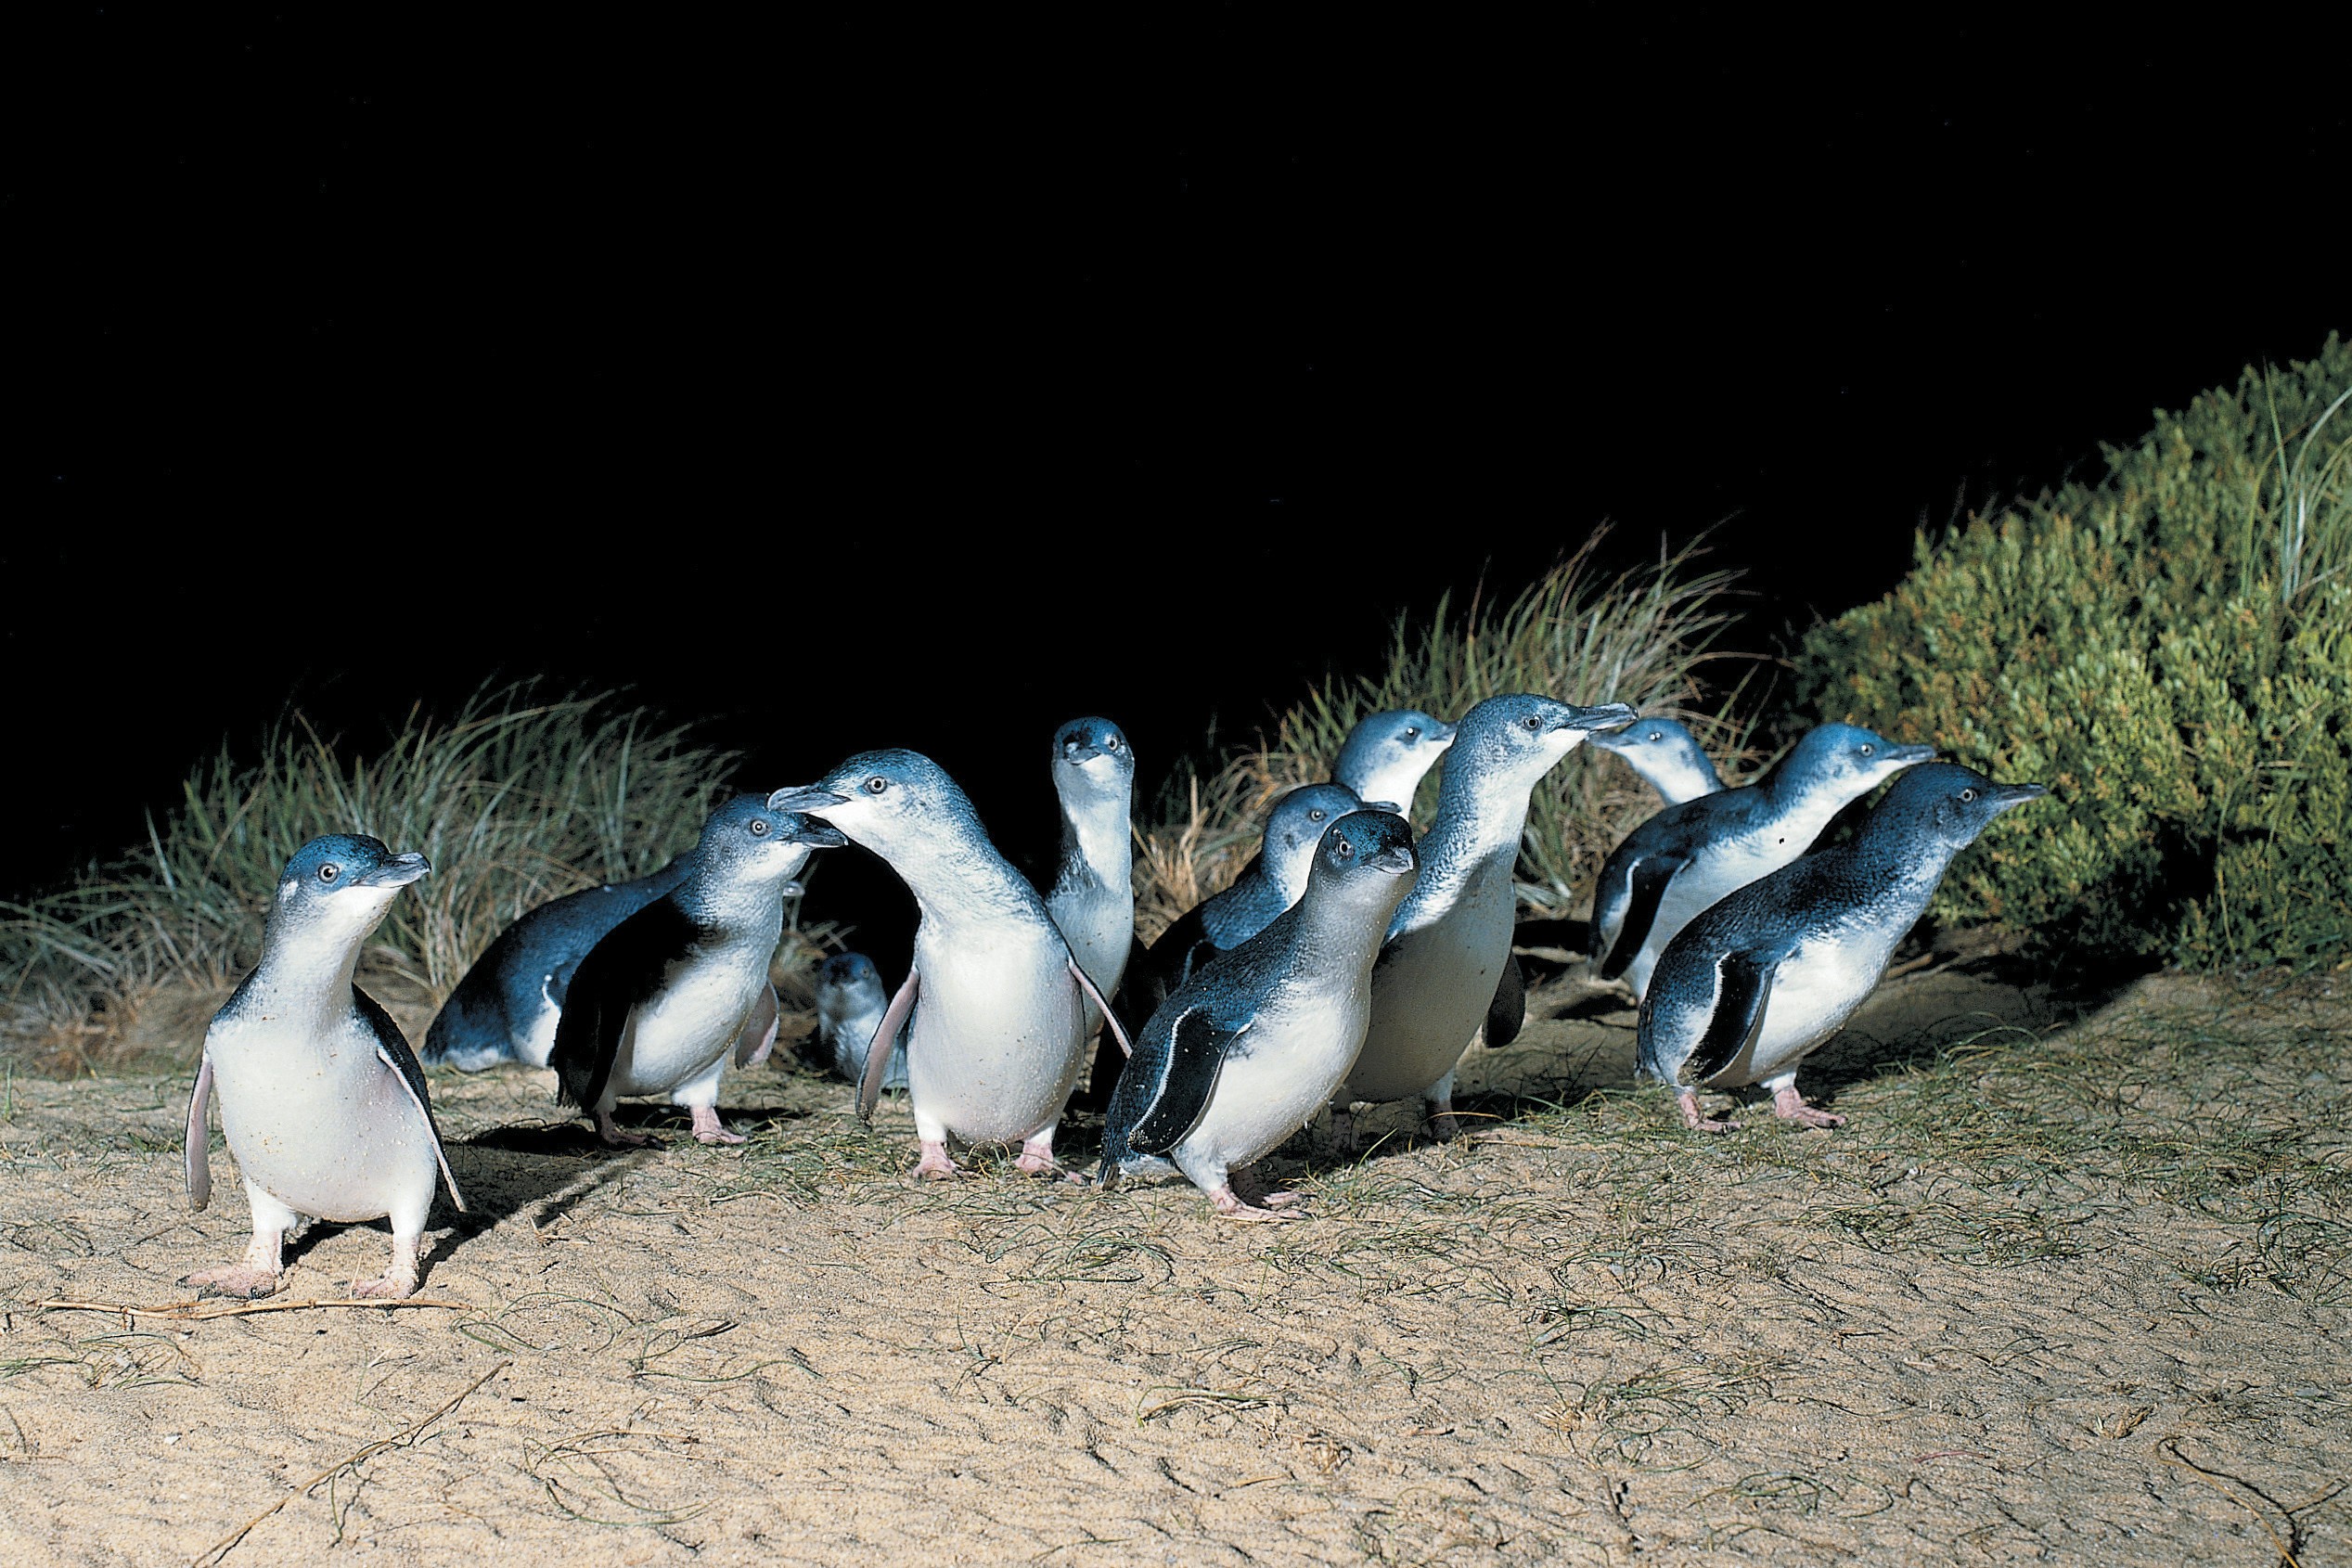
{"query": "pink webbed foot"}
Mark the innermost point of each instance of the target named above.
(1247, 1188)
(613, 1136)
(1789, 1106)
(708, 1128)
(397, 1282)
(1036, 1159)
(1230, 1207)
(1697, 1120)
(934, 1165)
(240, 1281)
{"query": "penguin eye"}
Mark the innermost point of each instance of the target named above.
(1967, 795)
(1412, 732)
(1532, 723)
(1868, 750)
(877, 784)
(759, 827)
(1657, 734)
(1345, 851)
(1315, 814)
(329, 872)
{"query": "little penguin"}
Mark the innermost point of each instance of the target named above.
(322, 1102)
(506, 1008)
(850, 1004)
(1689, 857)
(997, 999)
(1093, 896)
(1245, 1054)
(657, 1005)
(1667, 756)
(1385, 755)
(1751, 985)
(1449, 947)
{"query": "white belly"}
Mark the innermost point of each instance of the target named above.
(676, 1037)
(999, 1037)
(1814, 989)
(535, 1041)
(1297, 1060)
(323, 1125)
(1699, 886)
(1430, 994)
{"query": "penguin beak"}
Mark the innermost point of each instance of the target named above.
(1396, 860)
(1389, 806)
(399, 871)
(1608, 715)
(2003, 796)
(792, 889)
(817, 835)
(806, 798)
(1907, 756)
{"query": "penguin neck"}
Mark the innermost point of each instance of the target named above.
(726, 906)
(1800, 808)
(1476, 827)
(1333, 933)
(315, 970)
(1096, 841)
(966, 879)
(1679, 778)
(1900, 866)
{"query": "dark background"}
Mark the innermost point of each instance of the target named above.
(876, 377)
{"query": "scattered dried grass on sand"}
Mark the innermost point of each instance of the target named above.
(2072, 1286)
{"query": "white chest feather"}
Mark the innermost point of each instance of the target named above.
(1815, 990)
(318, 1121)
(1431, 990)
(676, 1034)
(1296, 1057)
(998, 1037)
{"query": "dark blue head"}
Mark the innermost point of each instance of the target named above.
(887, 800)
(1843, 761)
(1943, 804)
(1385, 755)
(1513, 741)
(1296, 823)
(1091, 757)
(346, 880)
(745, 839)
(849, 971)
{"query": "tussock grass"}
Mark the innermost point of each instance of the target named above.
(516, 798)
(1645, 636)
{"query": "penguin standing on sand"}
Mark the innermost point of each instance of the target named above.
(656, 1006)
(322, 1102)
(1754, 983)
(850, 1004)
(1689, 857)
(1668, 757)
(1436, 979)
(1243, 1055)
(997, 1000)
(1093, 894)
(506, 1008)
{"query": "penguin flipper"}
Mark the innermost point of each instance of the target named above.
(1196, 1053)
(1651, 878)
(620, 971)
(1110, 1018)
(759, 1030)
(199, 1146)
(1507, 1012)
(392, 1049)
(885, 1044)
(1745, 988)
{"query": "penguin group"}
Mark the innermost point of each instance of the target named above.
(1355, 959)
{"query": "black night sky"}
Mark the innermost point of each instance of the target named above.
(872, 375)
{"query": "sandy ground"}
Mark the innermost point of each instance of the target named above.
(2072, 1286)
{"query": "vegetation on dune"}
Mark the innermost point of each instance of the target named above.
(2169, 648)
(1642, 637)
(515, 799)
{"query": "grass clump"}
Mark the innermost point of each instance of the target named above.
(515, 799)
(1642, 637)
(2170, 649)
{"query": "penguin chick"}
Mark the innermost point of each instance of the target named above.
(850, 1004)
(1689, 857)
(1746, 990)
(1666, 756)
(656, 1004)
(1245, 1053)
(322, 1102)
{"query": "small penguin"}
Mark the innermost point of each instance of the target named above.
(850, 1004)
(506, 1008)
(1093, 898)
(322, 1102)
(997, 998)
(1689, 857)
(1667, 756)
(1752, 985)
(1449, 944)
(657, 1005)
(1385, 755)
(1245, 1054)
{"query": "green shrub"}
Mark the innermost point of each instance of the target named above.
(1641, 637)
(515, 801)
(2170, 649)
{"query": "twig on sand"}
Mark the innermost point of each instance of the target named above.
(2168, 1452)
(221, 1548)
(198, 1311)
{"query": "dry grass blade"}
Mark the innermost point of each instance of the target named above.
(199, 1311)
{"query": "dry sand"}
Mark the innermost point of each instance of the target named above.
(2071, 1287)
